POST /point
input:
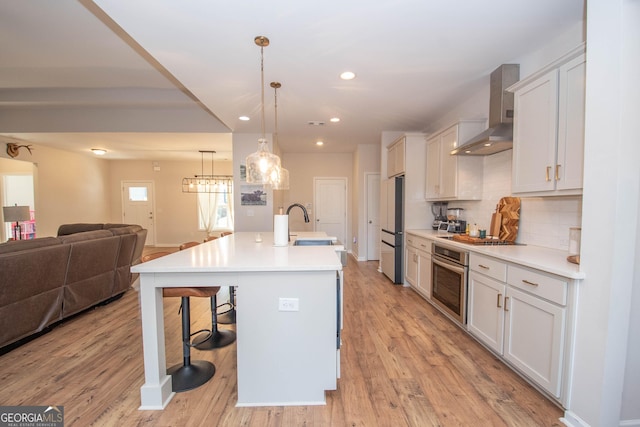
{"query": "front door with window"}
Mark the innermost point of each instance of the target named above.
(138, 207)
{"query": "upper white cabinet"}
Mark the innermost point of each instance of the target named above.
(453, 177)
(395, 157)
(548, 132)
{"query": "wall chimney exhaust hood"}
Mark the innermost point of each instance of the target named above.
(499, 136)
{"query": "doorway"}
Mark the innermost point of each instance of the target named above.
(138, 207)
(330, 200)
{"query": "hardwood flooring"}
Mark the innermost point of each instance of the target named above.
(403, 364)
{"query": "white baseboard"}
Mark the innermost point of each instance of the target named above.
(573, 420)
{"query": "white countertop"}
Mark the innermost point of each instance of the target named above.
(239, 252)
(550, 260)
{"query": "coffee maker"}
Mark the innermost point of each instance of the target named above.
(439, 211)
(456, 225)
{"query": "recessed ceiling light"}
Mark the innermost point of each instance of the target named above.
(99, 151)
(348, 75)
(487, 144)
(319, 143)
(334, 119)
(244, 118)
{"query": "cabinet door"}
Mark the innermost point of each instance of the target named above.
(432, 174)
(534, 338)
(411, 267)
(399, 154)
(384, 210)
(391, 161)
(485, 314)
(448, 164)
(571, 125)
(534, 135)
(424, 273)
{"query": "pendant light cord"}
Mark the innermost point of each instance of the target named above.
(262, 89)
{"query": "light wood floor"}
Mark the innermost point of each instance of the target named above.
(403, 364)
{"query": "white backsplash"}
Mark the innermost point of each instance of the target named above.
(544, 221)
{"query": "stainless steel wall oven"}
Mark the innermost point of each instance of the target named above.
(449, 268)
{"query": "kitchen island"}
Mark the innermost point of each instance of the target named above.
(287, 320)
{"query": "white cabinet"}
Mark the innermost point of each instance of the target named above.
(396, 157)
(418, 264)
(548, 133)
(520, 314)
(453, 177)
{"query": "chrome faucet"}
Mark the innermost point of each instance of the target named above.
(304, 211)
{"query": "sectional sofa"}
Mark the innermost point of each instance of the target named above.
(48, 279)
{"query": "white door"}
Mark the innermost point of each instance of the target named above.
(373, 216)
(138, 207)
(330, 199)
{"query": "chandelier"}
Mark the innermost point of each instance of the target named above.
(263, 167)
(208, 183)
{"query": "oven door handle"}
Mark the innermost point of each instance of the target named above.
(449, 266)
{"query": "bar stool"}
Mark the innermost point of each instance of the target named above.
(191, 373)
(215, 338)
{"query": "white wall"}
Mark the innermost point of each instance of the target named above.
(606, 340)
(176, 215)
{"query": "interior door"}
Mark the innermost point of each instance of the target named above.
(330, 199)
(373, 216)
(138, 207)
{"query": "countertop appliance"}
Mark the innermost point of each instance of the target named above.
(392, 225)
(449, 269)
(439, 211)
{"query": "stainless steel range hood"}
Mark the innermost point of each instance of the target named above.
(499, 136)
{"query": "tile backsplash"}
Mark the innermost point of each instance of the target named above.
(544, 221)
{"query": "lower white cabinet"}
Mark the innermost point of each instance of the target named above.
(522, 319)
(418, 264)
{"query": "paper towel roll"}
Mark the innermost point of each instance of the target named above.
(280, 230)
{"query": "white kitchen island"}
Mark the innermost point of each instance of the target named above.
(283, 357)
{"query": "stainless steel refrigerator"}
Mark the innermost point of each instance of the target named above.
(392, 224)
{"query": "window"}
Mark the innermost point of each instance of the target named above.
(215, 211)
(138, 194)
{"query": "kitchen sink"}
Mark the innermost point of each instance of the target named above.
(313, 242)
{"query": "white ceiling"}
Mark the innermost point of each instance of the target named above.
(157, 79)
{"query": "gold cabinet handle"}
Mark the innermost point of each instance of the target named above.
(506, 299)
(547, 178)
(529, 283)
(483, 266)
(499, 302)
(557, 172)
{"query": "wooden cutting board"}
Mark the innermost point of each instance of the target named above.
(496, 223)
(509, 209)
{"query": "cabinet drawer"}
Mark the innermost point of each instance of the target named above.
(488, 266)
(419, 243)
(538, 283)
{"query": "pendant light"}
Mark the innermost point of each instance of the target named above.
(208, 183)
(281, 181)
(263, 167)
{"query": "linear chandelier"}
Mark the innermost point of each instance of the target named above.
(263, 167)
(208, 183)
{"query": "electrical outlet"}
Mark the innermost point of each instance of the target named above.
(288, 304)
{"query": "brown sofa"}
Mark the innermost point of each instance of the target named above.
(45, 280)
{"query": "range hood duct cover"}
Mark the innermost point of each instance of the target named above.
(499, 136)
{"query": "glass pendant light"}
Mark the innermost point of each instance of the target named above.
(280, 179)
(263, 167)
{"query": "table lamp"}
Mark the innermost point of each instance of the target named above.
(16, 214)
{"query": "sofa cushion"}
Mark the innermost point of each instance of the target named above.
(25, 245)
(91, 271)
(66, 229)
(126, 229)
(86, 235)
(31, 290)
